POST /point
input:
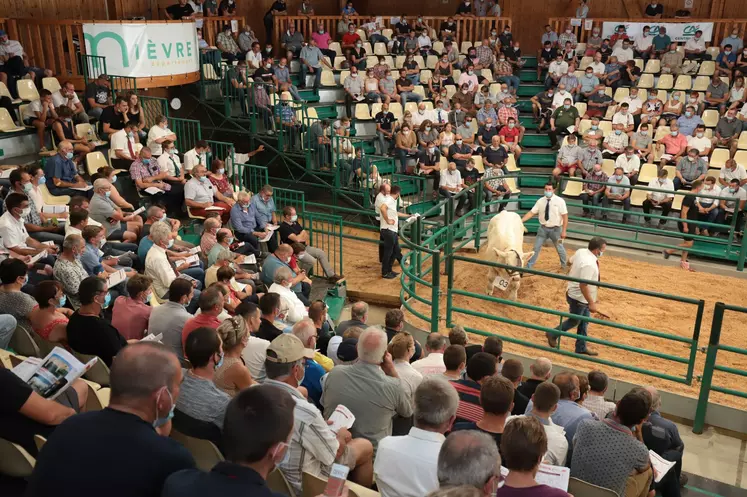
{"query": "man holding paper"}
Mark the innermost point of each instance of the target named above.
(106, 212)
(108, 269)
(16, 238)
(62, 174)
(149, 180)
(291, 231)
(244, 223)
(199, 195)
(314, 444)
(262, 207)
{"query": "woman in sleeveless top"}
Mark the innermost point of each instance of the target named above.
(233, 375)
(49, 319)
(136, 113)
(64, 130)
(447, 139)
(443, 68)
(672, 109)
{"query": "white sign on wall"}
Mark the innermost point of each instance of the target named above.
(144, 50)
(677, 31)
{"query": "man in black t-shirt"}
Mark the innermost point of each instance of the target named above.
(542, 107)
(654, 9)
(101, 452)
(291, 231)
(266, 73)
(688, 212)
(384, 120)
(403, 29)
(179, 11)
(113, 118)
(447, 30)
(429, 160)
(97, 96)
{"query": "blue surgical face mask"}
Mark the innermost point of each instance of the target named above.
(27, 187)
(69, 155)
(107, 300)
(220, 361)
(148, 298)
(230, 240)
(146, 161)
(203, 179)
(114, 178)
(107, 194)
(294, 218)
(158, 422)
(618, 131)
(62, 302)
(548, 194)
(171, 243)
(42, 180)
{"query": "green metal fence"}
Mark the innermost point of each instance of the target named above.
(122, 85)
(91, 66)
(187, 131)
(325, 233)
(712, 366)
(251, 177)
(153, 108)
(286, 197)
(211, 74)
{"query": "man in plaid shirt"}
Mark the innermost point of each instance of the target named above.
(593, 192)
(485, 55)
(495, 186)
(504, 73)
(566, 36)
(145, 172)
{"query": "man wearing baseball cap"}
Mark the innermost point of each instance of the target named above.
(313, 446)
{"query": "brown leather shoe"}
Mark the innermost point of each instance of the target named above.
(590, 352)
(552, 340)
(335, 278)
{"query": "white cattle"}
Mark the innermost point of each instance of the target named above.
(505, 246)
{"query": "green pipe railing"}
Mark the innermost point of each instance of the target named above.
(91, 66)
(325, 233)
(187, 131)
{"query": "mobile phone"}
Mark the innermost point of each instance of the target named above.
(336, 482)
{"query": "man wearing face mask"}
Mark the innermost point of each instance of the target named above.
(123, 150)
(688, 212)
(146, 174)
(244, 223)
(563, 118)
(104, 211)
(13, 232)
(582, 301)
(66, 96)
(728, 130)
(630, 163)
(94, 263)
(553, 219)
(617, 192)
(145, 381)
(62, 175)
(593, 192)
(642, 44)
(568, 159)
(542, 107)
(659, 199)
(614, 143)
(734, 201)
(689, 169)
(199, 195)
(556, 70)
(291, 231)
(20, 182)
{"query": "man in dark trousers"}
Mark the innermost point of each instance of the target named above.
(389, 233)
(662, 436)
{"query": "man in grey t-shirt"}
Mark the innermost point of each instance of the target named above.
(606, 452)
(102, 210)
(727, 131)
(616, 191)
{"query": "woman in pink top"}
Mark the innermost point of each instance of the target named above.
(130, 315)
(49, 319)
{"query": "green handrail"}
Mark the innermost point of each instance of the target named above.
(187, 131)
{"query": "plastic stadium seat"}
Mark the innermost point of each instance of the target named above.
(380, 48)
(677, 202)
(719, 157)
(477, 44)
(418, 89)
(51, 84)
(639, 64)
(205, 454)
(50, 199)
(511, 163)
(4, 92)
(648, 172)
(371, 61)
(581, 107)
(511, 182)
(701, 83)
(478, 164)
(653, 66)
(573, 188)
(713, 51)
(95, 160)
(15, 461)
(621, 94)
(713, 172)
(707, 68)
(208, 72)
(661, 132)
(455, 75)
(338, 62)
(375, 109)
(420, 60)
(584, 125)
(585, 61)
(311, 113)
(431, 61)
(21, 112)
(579, 74)
(580, 48)
(487, 74)
(450, 91)
(606, 127)
(396, 109)
(666, 82)
(683, 82)
(741, 158)
(27, 90)
(367, 47)
(438, 47)
(362, 112)
(412, 107)
(362, 34)
(608, 91)
(335, 46)
(399, 61)
(425, 76)
(387, 33)
(343, 76)
(670, 171)
(608, 166)
(724, 79)
(6, 122)
(662, 95)
(710, 118)
(443, 163)
(328, 78)
(742, 144)
(637, 197)
(465, 46)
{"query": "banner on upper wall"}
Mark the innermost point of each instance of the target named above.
(677, 31)
(143, 50)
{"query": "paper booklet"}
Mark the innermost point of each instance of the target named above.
(84, 189)
(552, 476)
(213, 208)
(142, 209)
(116, 278)
(153, 338)
(51, 376)
(341, 418)
(661, 465)
(187, 277)
(38, 256)
(55, 209)
(272, 227)
(153, 190)
(268, 235)
(249, 259)
(192, 260)
(194, 250)
(6, 173)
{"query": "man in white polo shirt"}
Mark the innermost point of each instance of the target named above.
(199, 195)
(196, 156)
(553, 218)
(389, 233)
(13, 233)
(582, 297)
(732, 170)
(66, 96)
(123, 150)
(451, 183)
(659, 199)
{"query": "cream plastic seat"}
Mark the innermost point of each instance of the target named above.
(719, 157)
(27, 90)
(741, 158)
(653, 66)
(362, 112)
(50, 199)
(343, 76)
(707, 68)
(380, 48)
(6, 122)
(742, 143)
(701, 83)
(666, 82)
(95, 160)
(15, 461)
(51, 84)
(204, 452)
(647, 173)
(328, 78)
(573, 189)
(684, 82)
(608, 166)
(4, 92)
(710, 118)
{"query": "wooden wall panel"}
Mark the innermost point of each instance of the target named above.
(54, 9)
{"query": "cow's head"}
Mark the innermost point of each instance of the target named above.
(513, 257)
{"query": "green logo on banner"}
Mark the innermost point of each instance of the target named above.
(94, 41)
(161, 54)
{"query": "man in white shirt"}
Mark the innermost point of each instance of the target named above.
(422, 115)
(553, 218)
(124, 149)
(196, 156)
(734, 199)
(695, 47)
(732, 170)
(389, 233)
(451, 183)
(169, 163)
(158, 267)
(407, 466)
(66, 96)
(560, 95)
(557, 69)
(659, 199)
(254, 57)
(624, 117)
(158, 134)
(635, 104)
(13, 232)
(643, 44)
(433, 363)
(582, 297)
(598, 66)
(283, 283)
(630, 164)
(199, 195)
(623, 53)
(700, 142)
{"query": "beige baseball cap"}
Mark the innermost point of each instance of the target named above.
(288, 348)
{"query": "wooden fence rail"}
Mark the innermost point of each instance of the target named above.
(468, 28)
(721, 27)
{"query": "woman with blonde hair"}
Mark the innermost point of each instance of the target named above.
(446, 138)
(232, 375)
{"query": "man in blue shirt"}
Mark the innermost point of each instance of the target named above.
(725, 61)
(262, 208)
(305, 330)
(688, 121)
(244, 223)
(62, 175)
(93, 262)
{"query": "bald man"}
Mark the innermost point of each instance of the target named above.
(540, 371)
(110, 443)
(104, 211)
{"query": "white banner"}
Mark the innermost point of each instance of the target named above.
(677, 31)
(144, 50)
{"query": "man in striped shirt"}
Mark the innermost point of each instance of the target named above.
(479, 367)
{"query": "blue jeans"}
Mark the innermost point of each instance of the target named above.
(377, 38)
(414, 78)
(7, 328)
(579, 309)
(317, 75)
(554, 235)
(512, 81)
(408, 95)
(196, 273)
